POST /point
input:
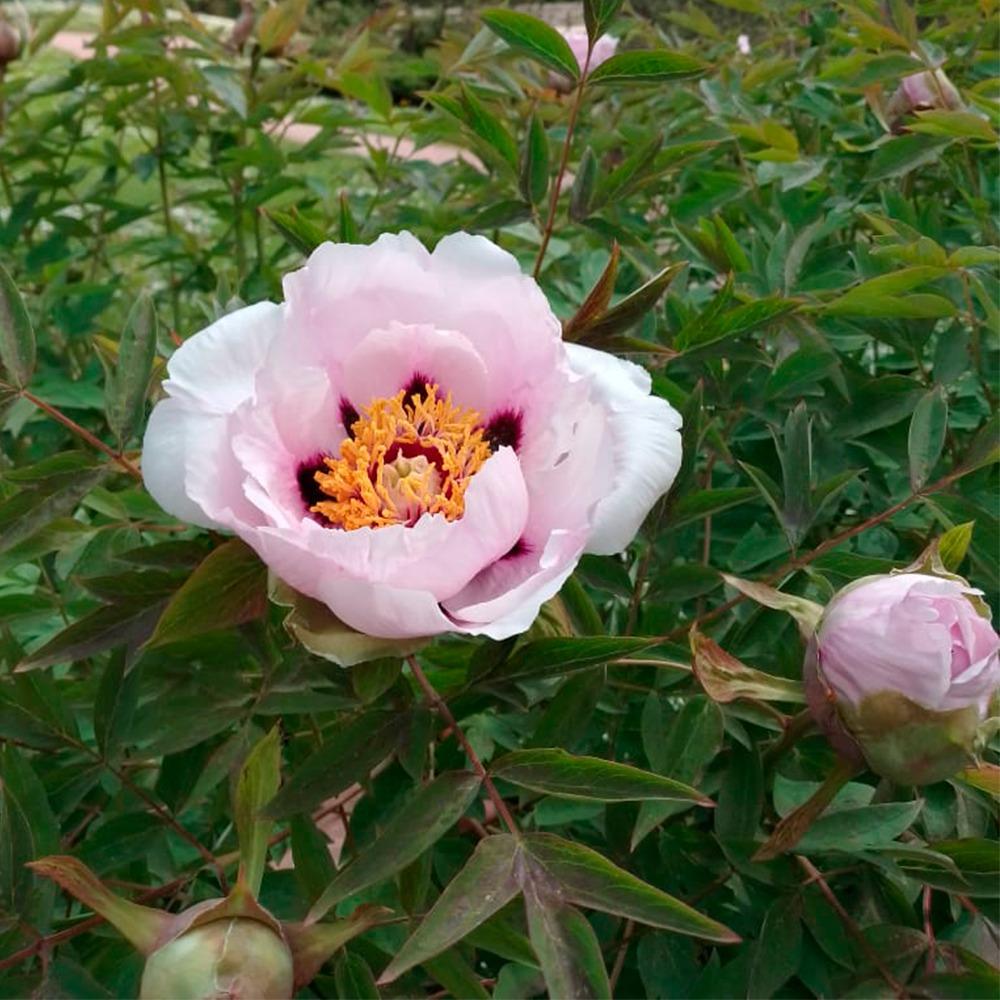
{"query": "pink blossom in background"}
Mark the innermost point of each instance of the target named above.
(604, 48)
(408, 439)
(743, 44)
(910, 633)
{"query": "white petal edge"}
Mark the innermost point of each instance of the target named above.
(165, 450)
(214, 369)
(646, 445)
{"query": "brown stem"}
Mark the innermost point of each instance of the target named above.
(164, 816)
(850, 926)
(81, 432)
(563, 161)
(616, 969)
(794, 729)
(477, 765)
(807, 557)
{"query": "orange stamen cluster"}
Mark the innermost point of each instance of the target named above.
(407, 455)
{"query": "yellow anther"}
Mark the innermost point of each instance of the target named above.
(407, 455)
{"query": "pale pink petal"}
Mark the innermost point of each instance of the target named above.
(646, 446)
(164, 449)
(387, 359)
(214, 369)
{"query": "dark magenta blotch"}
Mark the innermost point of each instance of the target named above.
(416, 388)
(519, 548)
(305, 476)
(348, 415)
(504, 430)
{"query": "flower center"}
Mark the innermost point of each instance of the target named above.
(407, 455)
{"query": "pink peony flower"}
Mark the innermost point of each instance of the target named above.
(916, 634)
(604, 48)
(924, 91)
(901, 673)
(408, 440)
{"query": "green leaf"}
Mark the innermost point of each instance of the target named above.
(860, 829)
(300, 233)
(30, 510)
(125, 390)
(596, 303)
(566, 946)
(534, 175)
(345, 758)
(726, 679)
(486, 884)
(597, 15)
(127, 623)
(807, 613)
(692, 741)
(704, 503)
(28, 830)
(349, 232)
(372, 679)
(555, 656)
(953, 545)
(17, 339)
(648, 66)
(928, 427)
(534, 38)
(115, 705)
(899, 156)
(489, 128)
(778, 950)
(556, 772)
(354, 978)
(419, 824)
(586, 878)
(227, 589)
(954, 124)
(581, 195)
(629, 310)
(258, 782)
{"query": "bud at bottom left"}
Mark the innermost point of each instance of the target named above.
(234, 958)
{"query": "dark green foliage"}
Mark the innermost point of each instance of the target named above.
(812, 285)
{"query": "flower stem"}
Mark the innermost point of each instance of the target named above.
(442, 709)
(564, 160)
(850, 926)
(81, 432)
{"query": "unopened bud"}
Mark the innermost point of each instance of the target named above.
(901, 673)
(10, 44)
(235, 958)
(922, 92)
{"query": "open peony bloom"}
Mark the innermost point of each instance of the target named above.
(408, 440)
(904, 667)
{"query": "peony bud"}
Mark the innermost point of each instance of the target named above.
(10, 44)
(922, 92)
(900, 674)
(238, 958)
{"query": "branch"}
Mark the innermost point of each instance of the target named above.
(442, 709)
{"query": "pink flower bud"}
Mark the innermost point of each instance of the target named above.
(902, 670)
(922, 92)
(10, 43)
(235, 957)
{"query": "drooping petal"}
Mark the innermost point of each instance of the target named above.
(646, 446)
(214, 370)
